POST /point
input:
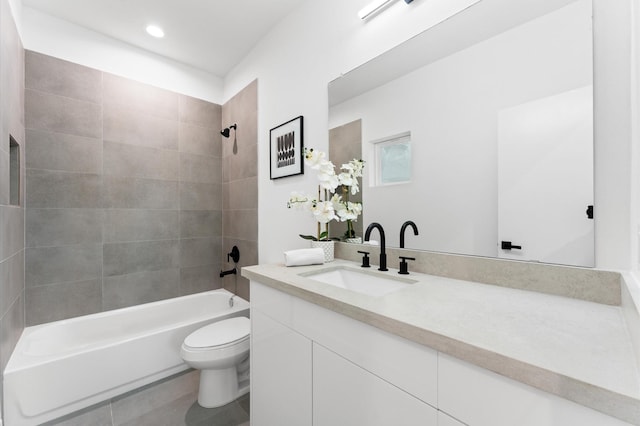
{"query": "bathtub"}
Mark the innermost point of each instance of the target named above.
(61, 367)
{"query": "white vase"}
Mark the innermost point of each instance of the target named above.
(327, 248)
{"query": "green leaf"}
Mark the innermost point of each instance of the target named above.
(308, 237)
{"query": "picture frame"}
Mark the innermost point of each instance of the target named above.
(286, 149)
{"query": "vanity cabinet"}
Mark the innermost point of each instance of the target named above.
(280, 374)
(310, 365)
(347, 394)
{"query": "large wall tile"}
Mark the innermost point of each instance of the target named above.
(200, 168)
(200, 223)
(200, 196)
(200, 140)
(241, 194)
(195, 279)
(241, 166)
(126, 258)
(140, 225)
(139, 161)
(54, 189)
(54, 113)
(11, 230)
(140, 97)
(135, 193)
(4, 177)
(48, 74)
(59, 151)
(200, 251)
(60, 301)
(137, 128)
(47, 265)
(202, 113)
(12, 279)
(240, 224)
(140, 287)
(58, 227)
(11, 326)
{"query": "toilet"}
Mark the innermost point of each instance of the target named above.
(221, 352)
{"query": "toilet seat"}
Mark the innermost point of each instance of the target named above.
(219, 335)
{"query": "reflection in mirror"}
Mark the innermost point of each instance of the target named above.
(500, 113)
(345, 144)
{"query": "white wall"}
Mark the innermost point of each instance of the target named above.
(451, 108)
(45, 34)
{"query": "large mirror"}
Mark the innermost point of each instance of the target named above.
(480, 130)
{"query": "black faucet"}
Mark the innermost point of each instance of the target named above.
(404, 227)
(383, 253)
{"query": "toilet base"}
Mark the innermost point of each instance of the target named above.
(220, 387)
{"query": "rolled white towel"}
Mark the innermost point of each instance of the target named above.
(301, 257)
(371, 243)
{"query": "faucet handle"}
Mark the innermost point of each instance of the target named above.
(404, 266)
(365, 259)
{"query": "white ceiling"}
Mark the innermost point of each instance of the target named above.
(212, 35)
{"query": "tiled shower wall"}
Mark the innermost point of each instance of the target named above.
(11, 216)
(124, 193)
(240, 177)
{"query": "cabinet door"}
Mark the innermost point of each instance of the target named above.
(479, 397)
(280, 374)
(347, 395)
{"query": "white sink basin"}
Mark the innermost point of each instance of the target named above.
(360, 280)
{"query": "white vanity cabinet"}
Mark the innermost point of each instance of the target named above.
(280, 374)
(347, 394)
(313, 366)
(479, 397)
(328, 369)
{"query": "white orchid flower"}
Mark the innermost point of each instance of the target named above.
(299, 201)
(323, 211)
(314, 159)
(328, 180)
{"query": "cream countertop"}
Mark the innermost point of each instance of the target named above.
(576, 349)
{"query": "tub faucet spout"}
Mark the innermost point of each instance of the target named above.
(230, 271)
(383, 252)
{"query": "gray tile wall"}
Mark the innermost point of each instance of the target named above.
(124, 201)
(11, 216)
(240, 166)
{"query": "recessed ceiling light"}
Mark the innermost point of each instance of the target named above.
(155, 31)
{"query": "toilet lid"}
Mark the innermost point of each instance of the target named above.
(219, 333)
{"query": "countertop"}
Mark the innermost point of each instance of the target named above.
(576, 349)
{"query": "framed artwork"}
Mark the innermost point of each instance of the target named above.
(286, 149)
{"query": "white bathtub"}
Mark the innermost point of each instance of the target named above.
(64, 366)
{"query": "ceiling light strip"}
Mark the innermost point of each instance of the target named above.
(373, 8)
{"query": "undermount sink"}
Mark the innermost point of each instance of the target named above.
(360, 281)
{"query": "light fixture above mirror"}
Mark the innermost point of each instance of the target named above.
(375, 7)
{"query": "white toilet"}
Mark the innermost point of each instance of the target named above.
(221, 351)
